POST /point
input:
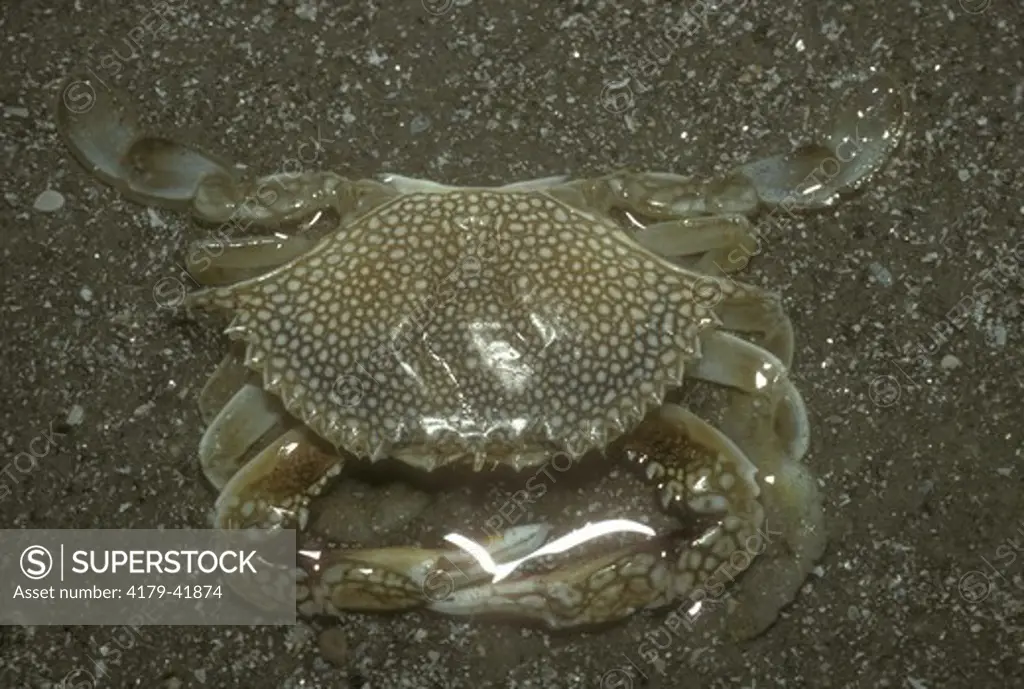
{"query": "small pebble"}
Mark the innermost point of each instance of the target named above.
(85, 293)
(949, 362)
(334, 646)
(75, 416)
(49, 201)
(964, 175)
(155, 220)
(16, 111)
(307, 11)
(999, 336)
(881, 274)
(298, 637)
(419, 124)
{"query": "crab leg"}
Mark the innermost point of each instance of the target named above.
(285, 198)
(225, 382)
(274, 490)
(733, 362)
(400, 578)
(748, 309)
(866, 128)
(224, 260)
(719, 239)
(104, 135)
(793, 508)
(249, 415)
(697, 471)
(752, 310)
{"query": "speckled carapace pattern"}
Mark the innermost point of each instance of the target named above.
(557, 332)
(906, 301)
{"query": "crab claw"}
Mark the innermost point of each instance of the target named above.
(866, 128)
(104, 136)
(397, 578)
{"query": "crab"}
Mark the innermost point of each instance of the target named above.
(500, 327)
